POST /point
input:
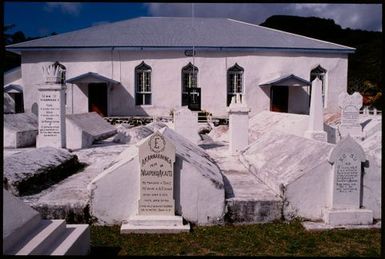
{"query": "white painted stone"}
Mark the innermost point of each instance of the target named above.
(20, 130)
(131, 135)
(316, 125)
(157, 157)
(9, 104)
(350, 107)
(345, 205)
(25, 233)
(83, 129)
(186, 124)
(238, 125)
(52, 130)
(198, 185)
(154, 224)
(346, 158)
(294, 168)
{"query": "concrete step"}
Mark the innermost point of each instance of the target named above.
(154, 224)
(248, 200)
(74, 241)
(40, 239)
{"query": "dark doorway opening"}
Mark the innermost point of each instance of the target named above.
(194, 99)
(279, 98)
(19, 103)
(97, 98)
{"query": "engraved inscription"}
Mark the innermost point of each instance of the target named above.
(347, 173)
(49, 114)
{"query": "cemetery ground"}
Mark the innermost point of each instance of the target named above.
(278, 238)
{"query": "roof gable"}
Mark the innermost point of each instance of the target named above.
(181, 32)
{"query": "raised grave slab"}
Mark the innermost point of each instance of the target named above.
(131, 135)
(20, 130)
(84, 129)
(9, 104)
(294, 168)
(198, 191)
(31, 171)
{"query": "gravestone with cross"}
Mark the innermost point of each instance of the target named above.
(350, 109)
(345, 205)
(156, 205)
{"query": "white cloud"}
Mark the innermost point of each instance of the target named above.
(355, 16)
(66, 8)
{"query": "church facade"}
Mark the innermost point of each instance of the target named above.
(151, 66)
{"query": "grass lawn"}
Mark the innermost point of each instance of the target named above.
(272, 239)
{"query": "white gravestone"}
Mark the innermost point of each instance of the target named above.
(52, 131)
(156, 205)
(186, 124)
(350, 109)
(238, 124)
(316, 125)
(346, 185)
(51, 117)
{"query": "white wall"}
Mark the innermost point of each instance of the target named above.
(259, 67)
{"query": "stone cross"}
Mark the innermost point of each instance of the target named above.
(186, 124)
(238, 124)
(344, 207)
(350, 109)
(316, 124)
(156, 158)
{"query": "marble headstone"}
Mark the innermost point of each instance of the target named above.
(345, 203)
(186, 124)
(350, 109)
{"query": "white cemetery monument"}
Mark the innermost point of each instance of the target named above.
(156, 206)
(345, 204)
(238, 124)
(316, 126)
(186, 124)
(350, 108)
(52, 109)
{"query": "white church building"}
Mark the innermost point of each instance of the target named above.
(150, 66)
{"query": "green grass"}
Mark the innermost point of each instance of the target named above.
(272, 239)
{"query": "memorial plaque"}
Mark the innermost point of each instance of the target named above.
(51, 117)
(346, 157)
(156, 158)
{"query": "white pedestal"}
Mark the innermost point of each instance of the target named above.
(348, 217)
(154, 224)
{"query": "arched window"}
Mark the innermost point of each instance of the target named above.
(319, 72)
(234, 82)
(189, 80)
(143, 84)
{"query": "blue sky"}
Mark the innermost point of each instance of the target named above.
(42, 18)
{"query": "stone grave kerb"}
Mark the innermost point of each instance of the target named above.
(344, 207)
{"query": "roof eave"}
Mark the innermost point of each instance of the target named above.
(209, 48)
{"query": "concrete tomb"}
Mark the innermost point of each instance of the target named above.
(25, 233)
(144, 186)
(20, 130)
(345, 204)
(84, 129)
(186, 124)
(350, 109)
(131, 135)
(238, 124)
(156, 205)
(316, 125)
(31, 171)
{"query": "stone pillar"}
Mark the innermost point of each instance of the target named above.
(350, 110)
(51, 115)
(316, 124)
(238, 125)
(345, 202)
